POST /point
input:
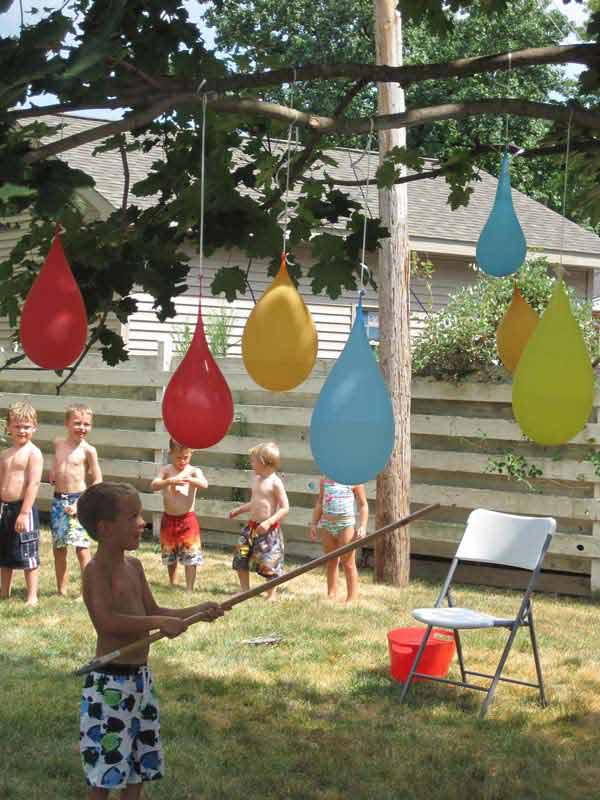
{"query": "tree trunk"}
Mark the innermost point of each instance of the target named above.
(392, 552)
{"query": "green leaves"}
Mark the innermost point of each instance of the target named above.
(229, 281)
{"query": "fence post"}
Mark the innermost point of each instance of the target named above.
(163, 364)
(595, 562)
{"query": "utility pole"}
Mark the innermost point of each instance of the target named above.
(392, 552)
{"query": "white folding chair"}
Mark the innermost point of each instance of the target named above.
(490, 538)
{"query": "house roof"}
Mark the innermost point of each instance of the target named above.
(433, 226)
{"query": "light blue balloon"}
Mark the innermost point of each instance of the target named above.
(352, 425)
(502, 248)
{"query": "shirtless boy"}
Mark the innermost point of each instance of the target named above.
(20, 476)
(179, 528)
(74, 460)
(260, 546)
(119, 717)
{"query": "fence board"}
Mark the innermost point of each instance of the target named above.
(444, 470)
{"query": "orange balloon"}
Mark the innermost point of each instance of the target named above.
(514, 331)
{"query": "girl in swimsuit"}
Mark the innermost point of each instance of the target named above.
(334, 520)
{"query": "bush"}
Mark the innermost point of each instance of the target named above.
(218, 332)
(461, 338)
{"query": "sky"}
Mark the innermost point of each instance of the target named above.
(10, 23)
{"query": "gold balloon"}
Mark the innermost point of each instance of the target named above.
(279, 344)
(553, 385)
(514, 331)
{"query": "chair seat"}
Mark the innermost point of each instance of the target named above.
(456, 618)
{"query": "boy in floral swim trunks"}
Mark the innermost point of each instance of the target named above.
(119, 737)
(179, 528)
(75, 460)
(260, 546)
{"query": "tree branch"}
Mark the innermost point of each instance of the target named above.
(412, 73)
(326, 125)
(92, 340)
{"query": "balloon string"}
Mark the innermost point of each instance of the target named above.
(509, 69)
(366, 211)
(564, 203)
(202, 162)
(286, 218)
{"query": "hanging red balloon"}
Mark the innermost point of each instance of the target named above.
(197, 406)
(54, 325)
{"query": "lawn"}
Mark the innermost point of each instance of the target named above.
(317, 715)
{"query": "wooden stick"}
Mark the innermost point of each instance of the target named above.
(265, 587)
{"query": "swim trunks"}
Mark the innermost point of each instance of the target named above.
(66, 528)
(19, 550)
(119, 736)
(180, 540)
(260, 552)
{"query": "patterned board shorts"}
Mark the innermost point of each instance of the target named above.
(260, 552)
(19, 550)
(119, 735)
(66, 528)
(180, 540)
(336, 526)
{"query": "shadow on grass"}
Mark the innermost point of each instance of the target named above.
(242, 738)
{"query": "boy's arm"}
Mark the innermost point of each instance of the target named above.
(160, 481)
(97, 597)
(197, 479)
(212, 610)
(35, 465)
(94, 466)
(243, 509)
(52, 472)
(363, 509)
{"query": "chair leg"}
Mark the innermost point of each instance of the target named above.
(498, 673)
(415, 664)
(461, 662)
(536, 658)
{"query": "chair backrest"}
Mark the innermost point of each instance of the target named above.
(495, 538)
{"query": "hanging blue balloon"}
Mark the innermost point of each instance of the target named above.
(352, 425)
(502, 248)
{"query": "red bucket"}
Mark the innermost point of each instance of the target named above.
(404, 643)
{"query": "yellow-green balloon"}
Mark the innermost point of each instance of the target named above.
(553, 385)
(279, 344)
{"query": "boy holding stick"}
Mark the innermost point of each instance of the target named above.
(119, 719)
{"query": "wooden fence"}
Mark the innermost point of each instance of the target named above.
(457, 432)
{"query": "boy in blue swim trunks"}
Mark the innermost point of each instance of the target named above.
(119, 716)
(260, 546)
(75, 462)
(20, 475)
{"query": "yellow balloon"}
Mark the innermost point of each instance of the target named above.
(553, 385)
(279, 344)
(514, 331)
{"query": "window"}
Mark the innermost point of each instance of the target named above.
(371, 317)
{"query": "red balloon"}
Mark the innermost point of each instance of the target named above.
(54, 322)
(197, 407)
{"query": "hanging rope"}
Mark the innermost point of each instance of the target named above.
(564, 202)
(364, 189)
(285, 221)
(202, 162)
(507, 123)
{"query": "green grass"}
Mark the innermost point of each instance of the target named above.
(317, 715)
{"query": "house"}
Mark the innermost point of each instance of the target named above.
(444, 237)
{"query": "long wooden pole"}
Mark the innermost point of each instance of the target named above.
(392, 553)
(236, 599)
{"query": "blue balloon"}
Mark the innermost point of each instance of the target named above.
(352, 425)
(502, 248)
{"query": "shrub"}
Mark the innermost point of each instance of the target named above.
(218, 331)
(461, 338)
